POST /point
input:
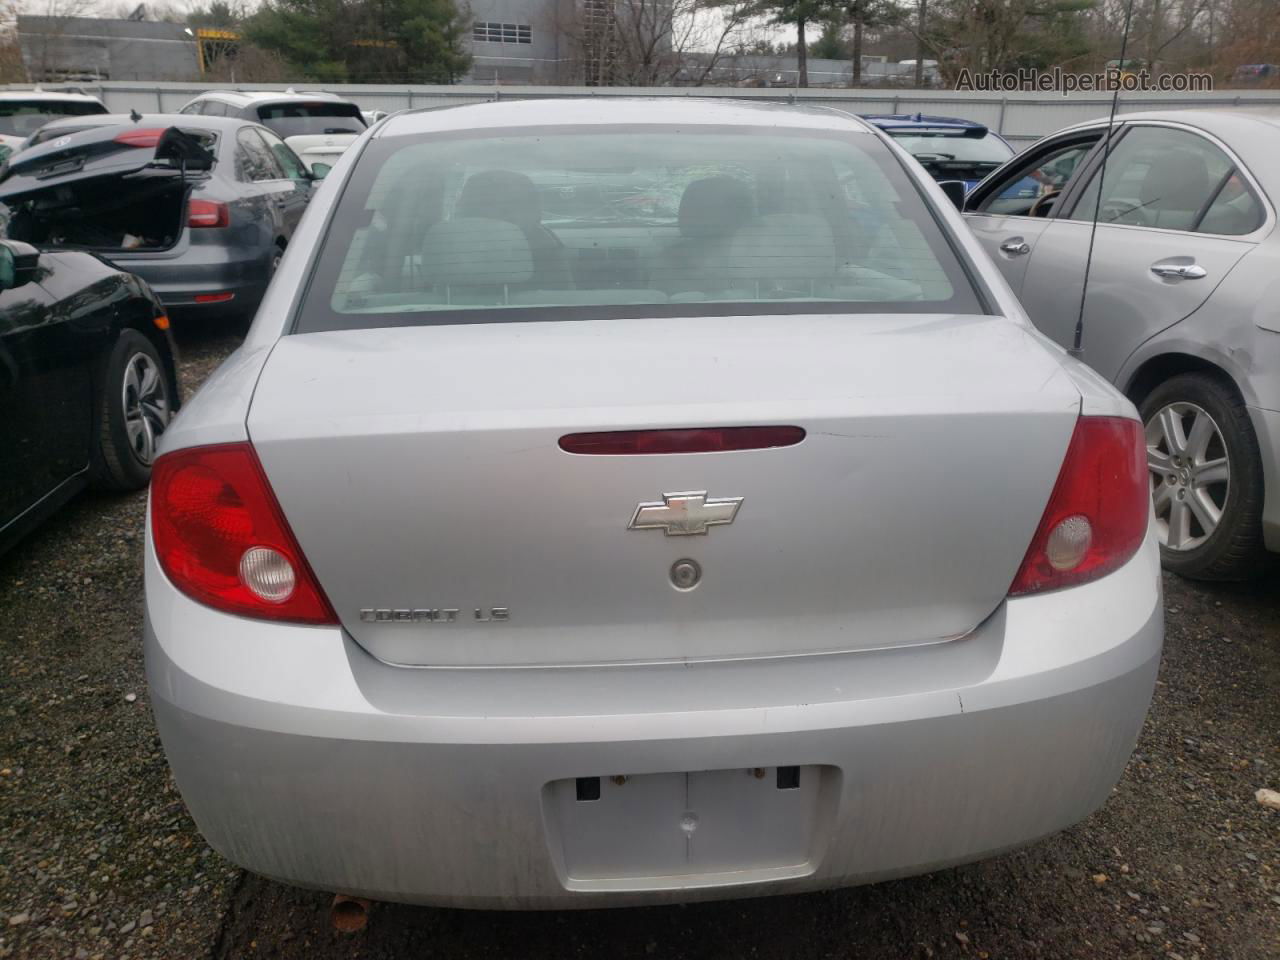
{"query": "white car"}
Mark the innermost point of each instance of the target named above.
(23, 112)
(729, 532)
(319, 152)
(317, 126)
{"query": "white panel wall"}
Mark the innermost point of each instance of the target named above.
(1020, 117)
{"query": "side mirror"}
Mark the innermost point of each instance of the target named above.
(19, 263)
(955, 191)
(320, 170)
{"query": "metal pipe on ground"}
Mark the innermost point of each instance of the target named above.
(349, 914)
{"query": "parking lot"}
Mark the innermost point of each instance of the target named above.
(98, 857)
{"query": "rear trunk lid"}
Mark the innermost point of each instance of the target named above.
(110, 189)
(420, 470)
(320, 148)
(103, 152)
(321, 142)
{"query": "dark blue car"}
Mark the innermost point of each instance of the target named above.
(948, 147)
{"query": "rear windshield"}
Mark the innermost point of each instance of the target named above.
(21, 118)
(578, 223)
(61, 130)
(941, 146)
(298, 119)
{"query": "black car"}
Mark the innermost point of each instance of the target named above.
(201, 208)
(87, 381)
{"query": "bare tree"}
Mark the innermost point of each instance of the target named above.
(245, 63)
(156, 12)
(50, 50)
(647, 43)
(12, 68)
(1248, 32)
(922, 21)
(867, 15)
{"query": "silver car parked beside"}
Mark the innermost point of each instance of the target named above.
(1181, 311)
(643, 501)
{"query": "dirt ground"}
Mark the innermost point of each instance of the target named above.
(98, 857)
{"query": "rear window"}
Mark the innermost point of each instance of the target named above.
(21, 118)
(950, 146)
(61, 130)
(300, 119)
(578, 223)
(206, 138)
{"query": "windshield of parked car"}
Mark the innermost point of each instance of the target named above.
(298, 119)
(21, 118)
(950, 146)
(560, 223)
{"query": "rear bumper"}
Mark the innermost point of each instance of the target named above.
(304, 759)
(200, 271)
(1266, 425)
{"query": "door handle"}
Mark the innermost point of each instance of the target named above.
(1176, 270)
(1015, 247)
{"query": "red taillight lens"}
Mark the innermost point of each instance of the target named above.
(144, 137)
(698, 440)
(207, 213)
(1098, 513)
(222, 539)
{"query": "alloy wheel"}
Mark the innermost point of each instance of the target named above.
(1190, 474)
(146, 406)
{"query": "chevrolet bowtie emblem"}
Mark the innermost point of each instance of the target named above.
(685, 514)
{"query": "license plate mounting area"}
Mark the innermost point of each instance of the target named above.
(677, 830)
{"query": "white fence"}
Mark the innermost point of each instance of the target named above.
(1020, 117)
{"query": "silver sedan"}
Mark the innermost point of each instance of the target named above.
(643, 501)
(1181, 306)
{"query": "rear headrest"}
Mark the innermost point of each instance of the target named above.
(500, 195)
(714, 207)
(783, 246)
(1177, 180)
(474, 251)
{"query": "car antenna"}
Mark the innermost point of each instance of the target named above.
(1077, 343)
(134, 115)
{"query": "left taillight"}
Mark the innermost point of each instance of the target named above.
(208, 213)
(222, 539)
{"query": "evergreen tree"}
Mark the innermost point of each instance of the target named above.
(415, 41)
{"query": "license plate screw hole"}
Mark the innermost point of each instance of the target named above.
(788, 778)
(588, 789)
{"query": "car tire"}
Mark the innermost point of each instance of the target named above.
(1207, 494)
(135, 405)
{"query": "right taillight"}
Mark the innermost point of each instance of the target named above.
(140, 137)
(208, 213)
(222, 539)
(1097, 516)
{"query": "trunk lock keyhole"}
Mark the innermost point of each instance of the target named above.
(685, 574)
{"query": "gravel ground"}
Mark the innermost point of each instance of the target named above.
(98, 857)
